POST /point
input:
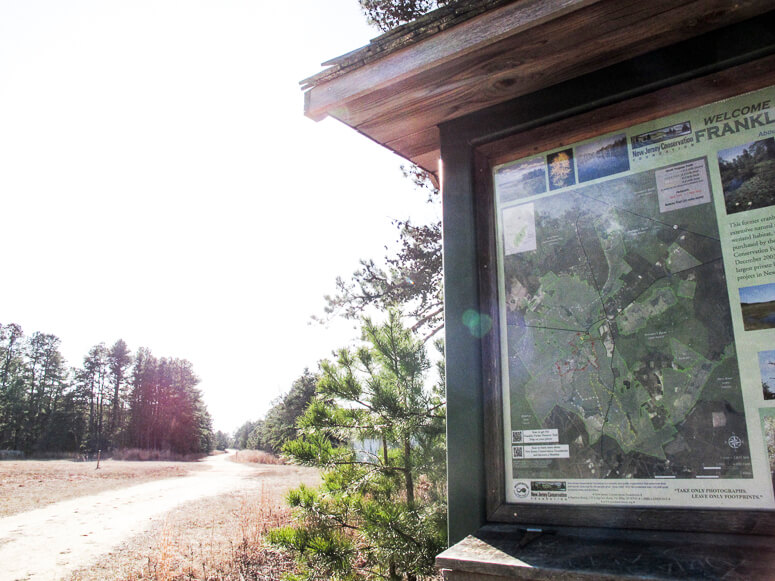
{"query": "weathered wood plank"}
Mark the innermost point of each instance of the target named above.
(419, 143)
(428, 161)
(582, 42)
(701, 91)
(494, 465)
(462, 39)
(618, 554)
(424, 147)
(445, 17)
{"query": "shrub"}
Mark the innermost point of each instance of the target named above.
(256, 457)
(143, 455)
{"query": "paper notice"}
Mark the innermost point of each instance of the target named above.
(534, 436)
(540, 451)
(519, 229)
(682, 185)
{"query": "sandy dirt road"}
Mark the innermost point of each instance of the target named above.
(49, 543)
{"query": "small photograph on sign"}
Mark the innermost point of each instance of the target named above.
(768, 429)
(682, 185)
(661, 134)
(604, 157)
(561, 171)
(520, 180)
(758, 306)
(548, 486)
(519, 229)
(767, 373)
(748, 175)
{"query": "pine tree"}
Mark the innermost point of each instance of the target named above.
(378, 435)
(119, 361)
(92, 386)
(387, 14)
(11, 386)
(166, 411)
(47, 382)
(409, 278)
(279, 425)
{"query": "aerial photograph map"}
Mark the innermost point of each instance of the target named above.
(619, 336)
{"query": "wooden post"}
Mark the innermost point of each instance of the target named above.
(99, 453)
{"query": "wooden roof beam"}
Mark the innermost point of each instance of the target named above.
(434, 51)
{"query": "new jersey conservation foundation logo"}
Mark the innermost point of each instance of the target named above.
(522, 490)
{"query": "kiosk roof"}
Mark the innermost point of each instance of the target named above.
(473, 54)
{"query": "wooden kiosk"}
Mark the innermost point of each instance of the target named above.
(608, 178)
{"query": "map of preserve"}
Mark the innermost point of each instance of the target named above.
(619, 336)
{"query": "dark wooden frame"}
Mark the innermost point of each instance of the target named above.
(571, 129)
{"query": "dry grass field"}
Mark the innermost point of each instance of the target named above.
(219, 538)
(213, 538)
(216, 538)
(255, 457)
(30, 484)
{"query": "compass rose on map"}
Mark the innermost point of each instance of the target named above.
(734, 442)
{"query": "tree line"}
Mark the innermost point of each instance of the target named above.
(279, 424)
(115, 399)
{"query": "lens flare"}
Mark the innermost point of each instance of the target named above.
(478, 324)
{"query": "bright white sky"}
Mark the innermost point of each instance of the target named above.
(159, 183)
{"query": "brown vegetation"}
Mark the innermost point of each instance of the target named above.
(217, 539)
(143, 455)
(30, 484)
(256, 457)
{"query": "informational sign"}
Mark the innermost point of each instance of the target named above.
(637, 313)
